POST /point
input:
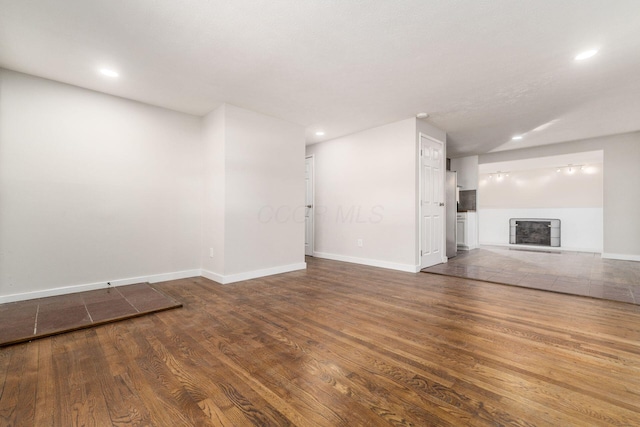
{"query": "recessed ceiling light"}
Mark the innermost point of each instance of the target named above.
(586, 54)
(422, 115)
(517, 137)
(108, 72)
(320, 133)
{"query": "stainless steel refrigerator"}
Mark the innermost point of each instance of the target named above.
(451, 210)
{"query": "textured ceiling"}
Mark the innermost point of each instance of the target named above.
(483, 70)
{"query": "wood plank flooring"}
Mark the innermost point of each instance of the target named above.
(338, 345)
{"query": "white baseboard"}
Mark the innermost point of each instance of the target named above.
(409, 268)
(218, 278)
(165, 277)
(154, 278)
(239, 277)
(623, 257)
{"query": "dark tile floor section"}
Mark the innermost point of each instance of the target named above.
(26, 320)
(576, 273)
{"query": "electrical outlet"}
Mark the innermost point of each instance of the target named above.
(210, 252)
(360, 244)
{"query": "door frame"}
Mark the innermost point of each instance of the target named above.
(312, 215)
(443, 165)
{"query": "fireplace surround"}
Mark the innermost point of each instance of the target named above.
(534, 231)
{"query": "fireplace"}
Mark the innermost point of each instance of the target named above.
(534, 231)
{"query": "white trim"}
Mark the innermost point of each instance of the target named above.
(165, 277)
(154, 278)
(409, 268)
(313, 203)
(98, 285)
(219, 278)
(238, 277)
(623, 257)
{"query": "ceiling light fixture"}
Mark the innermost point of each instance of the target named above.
(570, 168)
(320, 133)
(422, 115)
(517, 137)
(586, 54)
(109, 73)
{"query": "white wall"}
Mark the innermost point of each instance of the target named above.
(544, 188)
(467, 168)
(254, 195)
(93, 188)
(427, 128)
(366, 188)
(213, 211)
(96, 189)
(575, 198)
(622, 197)
(265, 192)
(620, 177)
(581, 228)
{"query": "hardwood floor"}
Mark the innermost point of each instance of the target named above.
(339, 344)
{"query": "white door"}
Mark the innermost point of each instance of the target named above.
(308, 211)
(431, 202)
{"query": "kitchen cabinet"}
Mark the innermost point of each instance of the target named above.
(467, 230)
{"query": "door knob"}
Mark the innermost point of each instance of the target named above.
(441, 204)
(309, 206)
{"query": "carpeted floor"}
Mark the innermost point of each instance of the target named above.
(26, 320)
